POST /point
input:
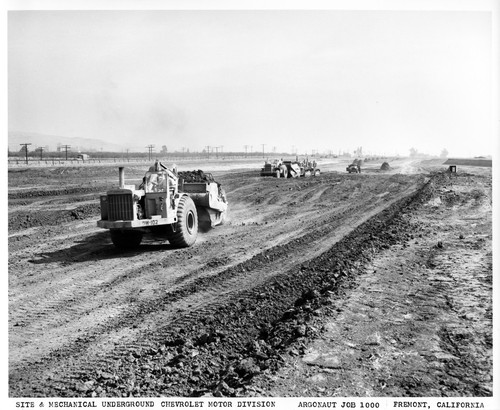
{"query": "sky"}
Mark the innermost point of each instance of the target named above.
(303, 80)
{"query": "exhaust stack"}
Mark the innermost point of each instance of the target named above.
(121, 176)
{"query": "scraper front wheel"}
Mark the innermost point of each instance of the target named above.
(185, 232)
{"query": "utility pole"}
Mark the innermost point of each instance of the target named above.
(150, 151)
(208, 151)
(246, 150)
(66, 147)
(127, 155)
(41, 152)
(26, 150)
(263, 152)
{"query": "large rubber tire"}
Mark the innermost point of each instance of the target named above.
(284, 171)
(204, 222)
(126, 239)
(222, 195)
(186, 229)
(223, 217)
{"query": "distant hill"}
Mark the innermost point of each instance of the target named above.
(53, 141)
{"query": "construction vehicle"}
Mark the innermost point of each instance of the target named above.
(293, 169)
(308, 168)
(290, 169)
(165, 204)
(355, 167)
(304, 168)
(274, 169)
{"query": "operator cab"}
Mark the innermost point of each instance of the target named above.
(155, 182)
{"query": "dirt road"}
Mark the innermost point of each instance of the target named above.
(88, 320)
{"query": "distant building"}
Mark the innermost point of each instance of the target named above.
(82, 157)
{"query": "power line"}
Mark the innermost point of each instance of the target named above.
(26, 149)
(66, 147)
(217, 150)
(150, 151)
(41, 152)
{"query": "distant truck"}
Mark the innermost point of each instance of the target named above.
(290, 169)
(355, 167)
(274, 169)
(82, 157)
(308, 168)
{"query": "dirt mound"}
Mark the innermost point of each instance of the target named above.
(196, 176)
(385, 166)
(25, 220)
(454, 197)
(51, 192)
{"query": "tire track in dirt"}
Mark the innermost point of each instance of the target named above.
(66, 302)
(72, 292)
(66, 202)
(61, 304)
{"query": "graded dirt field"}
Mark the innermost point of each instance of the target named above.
(369, 284)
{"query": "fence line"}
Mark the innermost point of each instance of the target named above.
(20, 162)
(62, 162)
